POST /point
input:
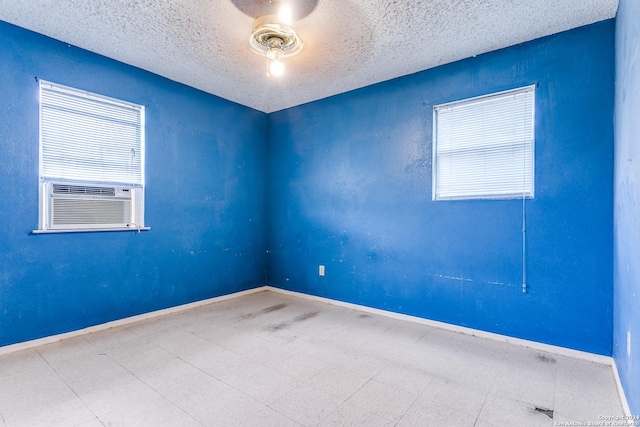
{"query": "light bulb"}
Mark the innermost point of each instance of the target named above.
(276, 67)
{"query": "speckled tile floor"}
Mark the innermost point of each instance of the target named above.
(269, 359)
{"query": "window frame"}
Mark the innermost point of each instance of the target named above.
(530, 194)
(135, 188)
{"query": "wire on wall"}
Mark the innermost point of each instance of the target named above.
(524, 245)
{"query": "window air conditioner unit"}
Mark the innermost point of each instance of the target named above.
(86, 206)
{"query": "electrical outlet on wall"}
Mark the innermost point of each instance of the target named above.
(629, 344)
(321, 270)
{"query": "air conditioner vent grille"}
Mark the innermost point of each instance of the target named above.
(84, 190)
(114, 212)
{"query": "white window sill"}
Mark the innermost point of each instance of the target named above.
(88, 230)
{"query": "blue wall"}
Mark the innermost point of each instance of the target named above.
(350, 188)
(205, 174)
(348, 181)
(627, 201)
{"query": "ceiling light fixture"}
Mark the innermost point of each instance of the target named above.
(275, 39)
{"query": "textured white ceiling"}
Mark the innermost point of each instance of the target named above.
(347, 43)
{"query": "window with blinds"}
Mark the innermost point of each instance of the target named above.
(484, 147)
(91, 161)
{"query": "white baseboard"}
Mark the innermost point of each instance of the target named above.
(606, 360)
(623, 396)
(553, 349)
(591, 357)
(120, 322)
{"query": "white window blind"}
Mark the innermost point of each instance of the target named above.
(91, 161)
(484, 147)
(89, 138)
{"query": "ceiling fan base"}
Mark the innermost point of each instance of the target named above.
(255, 8)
